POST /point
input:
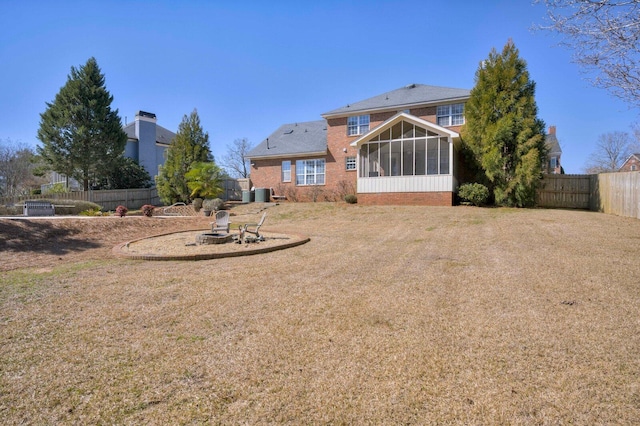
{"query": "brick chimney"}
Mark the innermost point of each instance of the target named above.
(552, 130)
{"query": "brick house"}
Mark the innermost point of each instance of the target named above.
(631, 164)
(400, 147)
(555, 152)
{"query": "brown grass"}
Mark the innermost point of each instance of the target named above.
(394, 315)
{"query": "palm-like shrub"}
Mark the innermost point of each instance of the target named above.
(204, 180)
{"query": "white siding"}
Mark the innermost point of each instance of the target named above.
(429, 183)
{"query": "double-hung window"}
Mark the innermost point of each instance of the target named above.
(286, 171)
(450, 115)
(350, 163)
(357, 125)
(310, 172)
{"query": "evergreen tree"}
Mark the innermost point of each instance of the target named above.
(125, 174)
(81, 136)
(191, 145)
(502, 129)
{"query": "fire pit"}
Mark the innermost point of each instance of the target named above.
(211, 238)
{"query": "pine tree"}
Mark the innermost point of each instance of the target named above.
(502, 129)
(191, 145)
(81, 136)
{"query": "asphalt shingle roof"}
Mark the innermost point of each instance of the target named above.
(163, 135)
(412, 94)
(294, 139)
(552, 144)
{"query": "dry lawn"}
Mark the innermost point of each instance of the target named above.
(389, 315)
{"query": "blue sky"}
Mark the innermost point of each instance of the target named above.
(248, 67)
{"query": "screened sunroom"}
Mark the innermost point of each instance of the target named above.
(406, 154)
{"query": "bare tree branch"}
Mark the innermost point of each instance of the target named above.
(235, 161)
(16, 169)
(604, 36)
(612, 149)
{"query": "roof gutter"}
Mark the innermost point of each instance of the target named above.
(285, 155)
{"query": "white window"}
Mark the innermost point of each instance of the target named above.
(450, 115)
(357, 125)
(414, 152)
(554, 163)
(310, 172)
(350, 163)
(286, 171)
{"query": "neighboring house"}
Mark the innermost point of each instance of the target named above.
(147, 143)
(555, 152)
(632, 163)
(401, 147)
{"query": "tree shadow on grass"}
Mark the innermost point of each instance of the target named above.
(40, 237)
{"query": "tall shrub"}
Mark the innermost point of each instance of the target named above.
(502, 129)
(191, 145)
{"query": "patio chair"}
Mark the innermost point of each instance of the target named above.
(222, 222)
(277, 197)
(256, 228)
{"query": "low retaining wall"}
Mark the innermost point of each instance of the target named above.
(407, 198)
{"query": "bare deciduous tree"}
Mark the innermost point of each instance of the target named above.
(17, 163)
(604, 36)
(235, 162)
(612, 149)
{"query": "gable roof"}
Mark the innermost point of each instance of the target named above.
(403, 116)
(552, 143)
(163, 136)
(637, 157)
(402, 98)
(295, 139)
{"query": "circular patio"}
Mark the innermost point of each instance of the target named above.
(182, 246)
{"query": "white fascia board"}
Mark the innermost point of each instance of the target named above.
(407, 117)
(397, 107)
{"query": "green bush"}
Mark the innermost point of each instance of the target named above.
(91, 212)
(197, 204)
(351, 198)
(73, 207)
(474, 193)
(57, 188)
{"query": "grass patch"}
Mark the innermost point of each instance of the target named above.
(488, 317)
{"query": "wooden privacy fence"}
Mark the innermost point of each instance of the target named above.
(131, 198)
(612, 193)
(616, 193)
(109, 199)
(564, 191)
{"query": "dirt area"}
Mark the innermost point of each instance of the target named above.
(388, 315)
(47, 242)
(50, 242)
